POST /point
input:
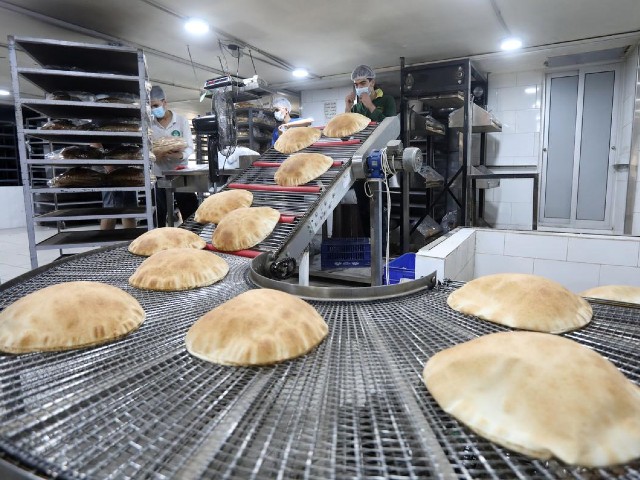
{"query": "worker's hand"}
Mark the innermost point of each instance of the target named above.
(349, 100)
(365, 98)
(109, 168)
(173, 156)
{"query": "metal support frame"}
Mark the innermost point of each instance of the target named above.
(377, 226)
(490, 176)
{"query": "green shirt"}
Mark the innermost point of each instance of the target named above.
(385, 107)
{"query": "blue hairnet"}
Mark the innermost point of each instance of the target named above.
(282, 102)
(156, 93)
(362, 71)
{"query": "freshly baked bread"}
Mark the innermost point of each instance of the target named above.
(295, 139)
(179, 269)
(67, 316)
(541, 395)
(616, 293)
(244, 228)
(345, 125)
(163, 238)
(218, 205)
(258, 327)
(301, 168)
(529, 302)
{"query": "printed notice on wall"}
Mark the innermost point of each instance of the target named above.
(329, 110)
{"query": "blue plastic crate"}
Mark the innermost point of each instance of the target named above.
(345, 253)
(402, 268)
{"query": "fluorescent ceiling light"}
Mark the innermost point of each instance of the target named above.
(530, 90)
(300, 73)
(4, 92)
(511, 43)
(197, 26)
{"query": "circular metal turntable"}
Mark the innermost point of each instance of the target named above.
(354, 407)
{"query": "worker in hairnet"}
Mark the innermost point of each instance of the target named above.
(166, 123)
(282, 113)
(372, 102)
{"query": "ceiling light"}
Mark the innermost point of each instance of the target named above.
(300, 72)
(530, 90)
(197, 26)
(511, 43)
(4, 92)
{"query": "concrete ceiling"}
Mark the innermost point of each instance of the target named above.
(328, 38)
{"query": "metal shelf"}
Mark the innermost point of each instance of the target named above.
(86, 189)
(90, 214)
(72, 66)
(108, 161)
(82, 110)
(80, 56)
(89, 238)
(84, 136)
(54, 80)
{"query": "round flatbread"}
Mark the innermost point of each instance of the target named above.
(295, 139)
(301, 168)
(541, 395)
(615, 293)
(258, 327)
(218, 205)
(178, 269)
(529, 302)
(67, 316)
(163, 238)
(244, 228)
(345, 125)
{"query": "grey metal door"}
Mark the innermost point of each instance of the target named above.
(578, 150)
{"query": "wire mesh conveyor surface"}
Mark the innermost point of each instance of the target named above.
(354, 407)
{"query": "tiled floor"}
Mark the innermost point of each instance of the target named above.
(14, 251)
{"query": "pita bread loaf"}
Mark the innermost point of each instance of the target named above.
(541, 395)
(295, 139)
(67, 316)
(218, 205)
(529, 302)
(179, 269)
(163, 238)
(244, 228)
(258, 327)
(615, 293)
(301, 168)
(345, 125)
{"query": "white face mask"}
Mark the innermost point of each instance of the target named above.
(362, 90)
(279, 116)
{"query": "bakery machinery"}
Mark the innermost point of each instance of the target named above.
(370, 154)
(354, 407)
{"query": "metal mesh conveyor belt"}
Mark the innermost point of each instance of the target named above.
(298, 204)
(356, 406)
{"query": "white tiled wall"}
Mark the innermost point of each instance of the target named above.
(12, 213)
(516, 100)
(576, 261)
(318, 103)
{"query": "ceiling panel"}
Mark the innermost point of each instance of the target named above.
(328, 38)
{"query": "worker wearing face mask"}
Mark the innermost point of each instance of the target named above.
(282, 114)
(372, 102)
(166, 123)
